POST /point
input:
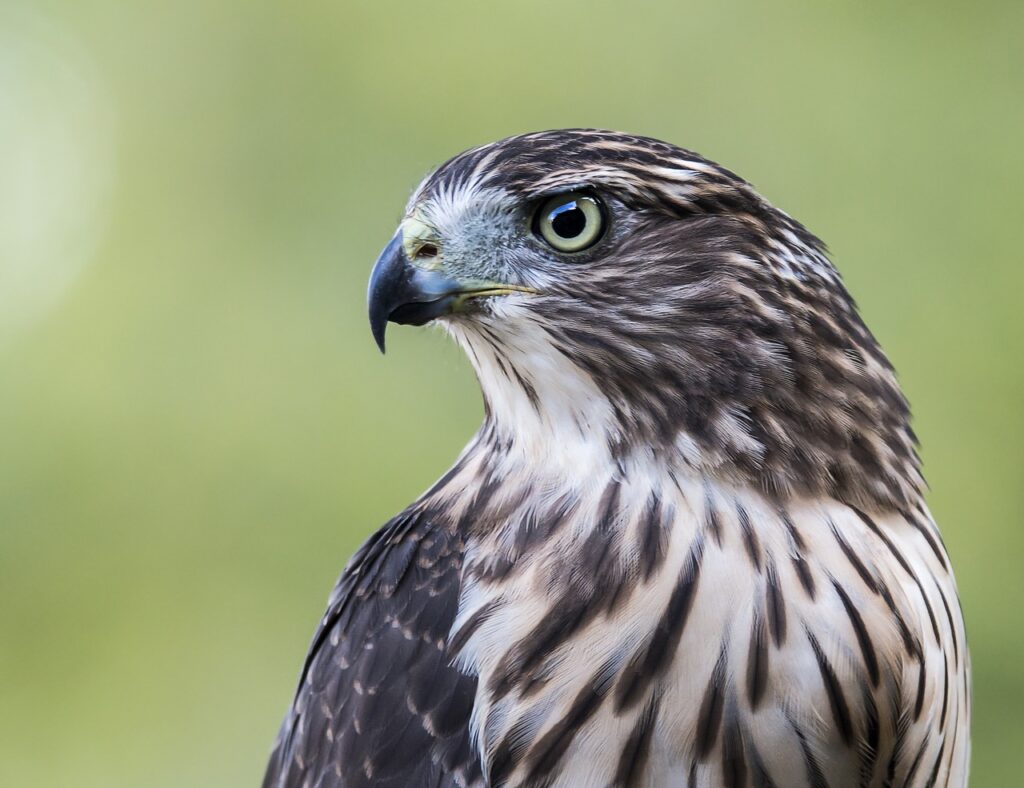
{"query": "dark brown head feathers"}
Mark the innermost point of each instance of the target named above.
(710, 319)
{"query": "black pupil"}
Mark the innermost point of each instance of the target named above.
(568, 220)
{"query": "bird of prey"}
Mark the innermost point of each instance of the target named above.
(687, 547)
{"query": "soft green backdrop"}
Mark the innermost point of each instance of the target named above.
(196, 429)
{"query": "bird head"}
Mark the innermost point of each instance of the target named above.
(624, 292)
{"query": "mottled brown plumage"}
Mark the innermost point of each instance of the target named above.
(688, 545)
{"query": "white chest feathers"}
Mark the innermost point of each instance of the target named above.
(686, 633)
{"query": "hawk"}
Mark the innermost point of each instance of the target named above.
(687, 547)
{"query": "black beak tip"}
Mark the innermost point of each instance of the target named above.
(385, 286)
(379, 315)
(378, 327)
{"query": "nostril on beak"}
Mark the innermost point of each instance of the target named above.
(427, 251)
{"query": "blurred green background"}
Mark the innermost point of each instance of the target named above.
(196, 428)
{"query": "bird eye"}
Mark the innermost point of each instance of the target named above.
(570, 222)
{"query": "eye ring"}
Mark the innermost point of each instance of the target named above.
(570, 222)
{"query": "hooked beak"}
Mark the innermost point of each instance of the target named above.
(403, 293)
